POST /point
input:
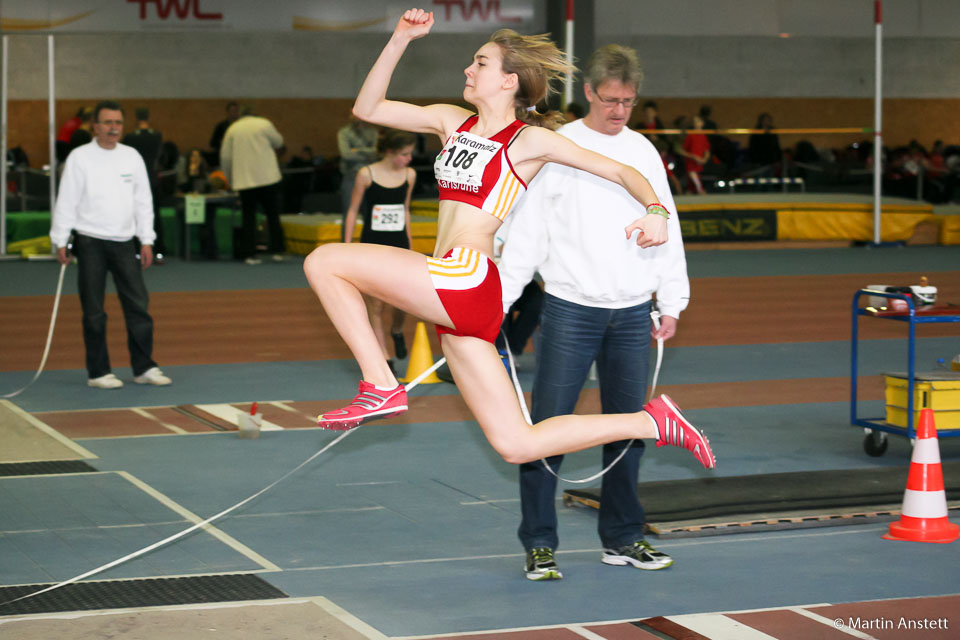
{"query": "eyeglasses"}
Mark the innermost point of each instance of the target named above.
(626, 103)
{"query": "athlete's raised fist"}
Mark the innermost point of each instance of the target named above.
(415, 23)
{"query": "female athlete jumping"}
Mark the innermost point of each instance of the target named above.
(487, 160)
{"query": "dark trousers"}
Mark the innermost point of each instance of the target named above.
(267, 198)
(522, 319)
(159, 245)
(572, 336)
(95, 259)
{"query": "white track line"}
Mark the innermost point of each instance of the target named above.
(586, 633)
(228, 540)
(717, 626)
(165, 425)
(348, 618)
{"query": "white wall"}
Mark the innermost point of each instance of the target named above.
(723, 48)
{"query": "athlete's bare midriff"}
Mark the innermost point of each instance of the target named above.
(463, 225)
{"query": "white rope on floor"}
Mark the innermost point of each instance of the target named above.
(46, 349)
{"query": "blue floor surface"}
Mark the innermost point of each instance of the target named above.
(412, 528)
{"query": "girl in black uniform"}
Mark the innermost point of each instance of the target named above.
(381, 194)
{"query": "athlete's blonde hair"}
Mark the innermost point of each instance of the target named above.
(537, 61)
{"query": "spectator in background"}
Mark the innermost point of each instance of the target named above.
(62, 144)
(381, 198)
(651, 118)
(104, 200)
(357, 143)
(298, 182)
(193, 175)
(82, 134)
(696, 152)
(669, 164)
(720, 146)
(708, 123)
(248, 157)
(574, 111)
(219, 131)
(764, 149)
(147, 142)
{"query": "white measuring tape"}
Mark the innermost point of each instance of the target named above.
(408, 387)
(46, 349)
(214, 518)
(655, 317)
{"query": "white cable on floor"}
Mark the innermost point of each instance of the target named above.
(409, 386)
(655, 317)
(214, 518)
(46, 349)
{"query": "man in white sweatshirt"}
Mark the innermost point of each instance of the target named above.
(599, 286)
(105, 201)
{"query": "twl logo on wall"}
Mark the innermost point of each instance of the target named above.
(473, 9)
(182, 9)
(71, 16)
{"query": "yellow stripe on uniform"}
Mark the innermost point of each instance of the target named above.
(513, 188)
(466, 265)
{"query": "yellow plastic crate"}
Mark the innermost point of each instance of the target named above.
(939, 391)
(303, 233)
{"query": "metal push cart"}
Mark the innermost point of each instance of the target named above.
(876, 429)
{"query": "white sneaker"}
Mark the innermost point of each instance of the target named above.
(253, 261)
(108, 381)
(153, 376)
(278, 257)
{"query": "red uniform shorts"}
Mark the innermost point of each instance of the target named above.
(468, 284)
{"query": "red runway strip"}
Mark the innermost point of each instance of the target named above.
(220, 327)
(446, 408)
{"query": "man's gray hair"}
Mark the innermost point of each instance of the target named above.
(613, 62)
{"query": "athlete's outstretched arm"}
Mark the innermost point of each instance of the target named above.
(548, 146)
(372, 104)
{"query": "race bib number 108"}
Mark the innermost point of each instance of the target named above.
(464, 158)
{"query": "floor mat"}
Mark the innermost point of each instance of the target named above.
(52, 467)
(801, 499)
(123, 594)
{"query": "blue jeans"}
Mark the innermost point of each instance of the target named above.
(95, 258)
(572, 336)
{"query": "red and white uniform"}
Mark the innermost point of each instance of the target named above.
(478, 172)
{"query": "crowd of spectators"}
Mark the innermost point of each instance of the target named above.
(697, 161)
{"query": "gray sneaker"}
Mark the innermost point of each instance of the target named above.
(640, 554)
(541, 565)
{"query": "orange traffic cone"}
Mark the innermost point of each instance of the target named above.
(924, 514)
(421, 358)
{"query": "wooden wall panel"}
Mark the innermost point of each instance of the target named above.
(314, 122)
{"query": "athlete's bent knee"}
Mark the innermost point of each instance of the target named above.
(319, 262)
(514, 451)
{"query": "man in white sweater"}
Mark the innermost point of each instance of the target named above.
(105, 201)
(599, 286)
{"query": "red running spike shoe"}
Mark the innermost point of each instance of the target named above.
(673, 428)
(370, 403)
